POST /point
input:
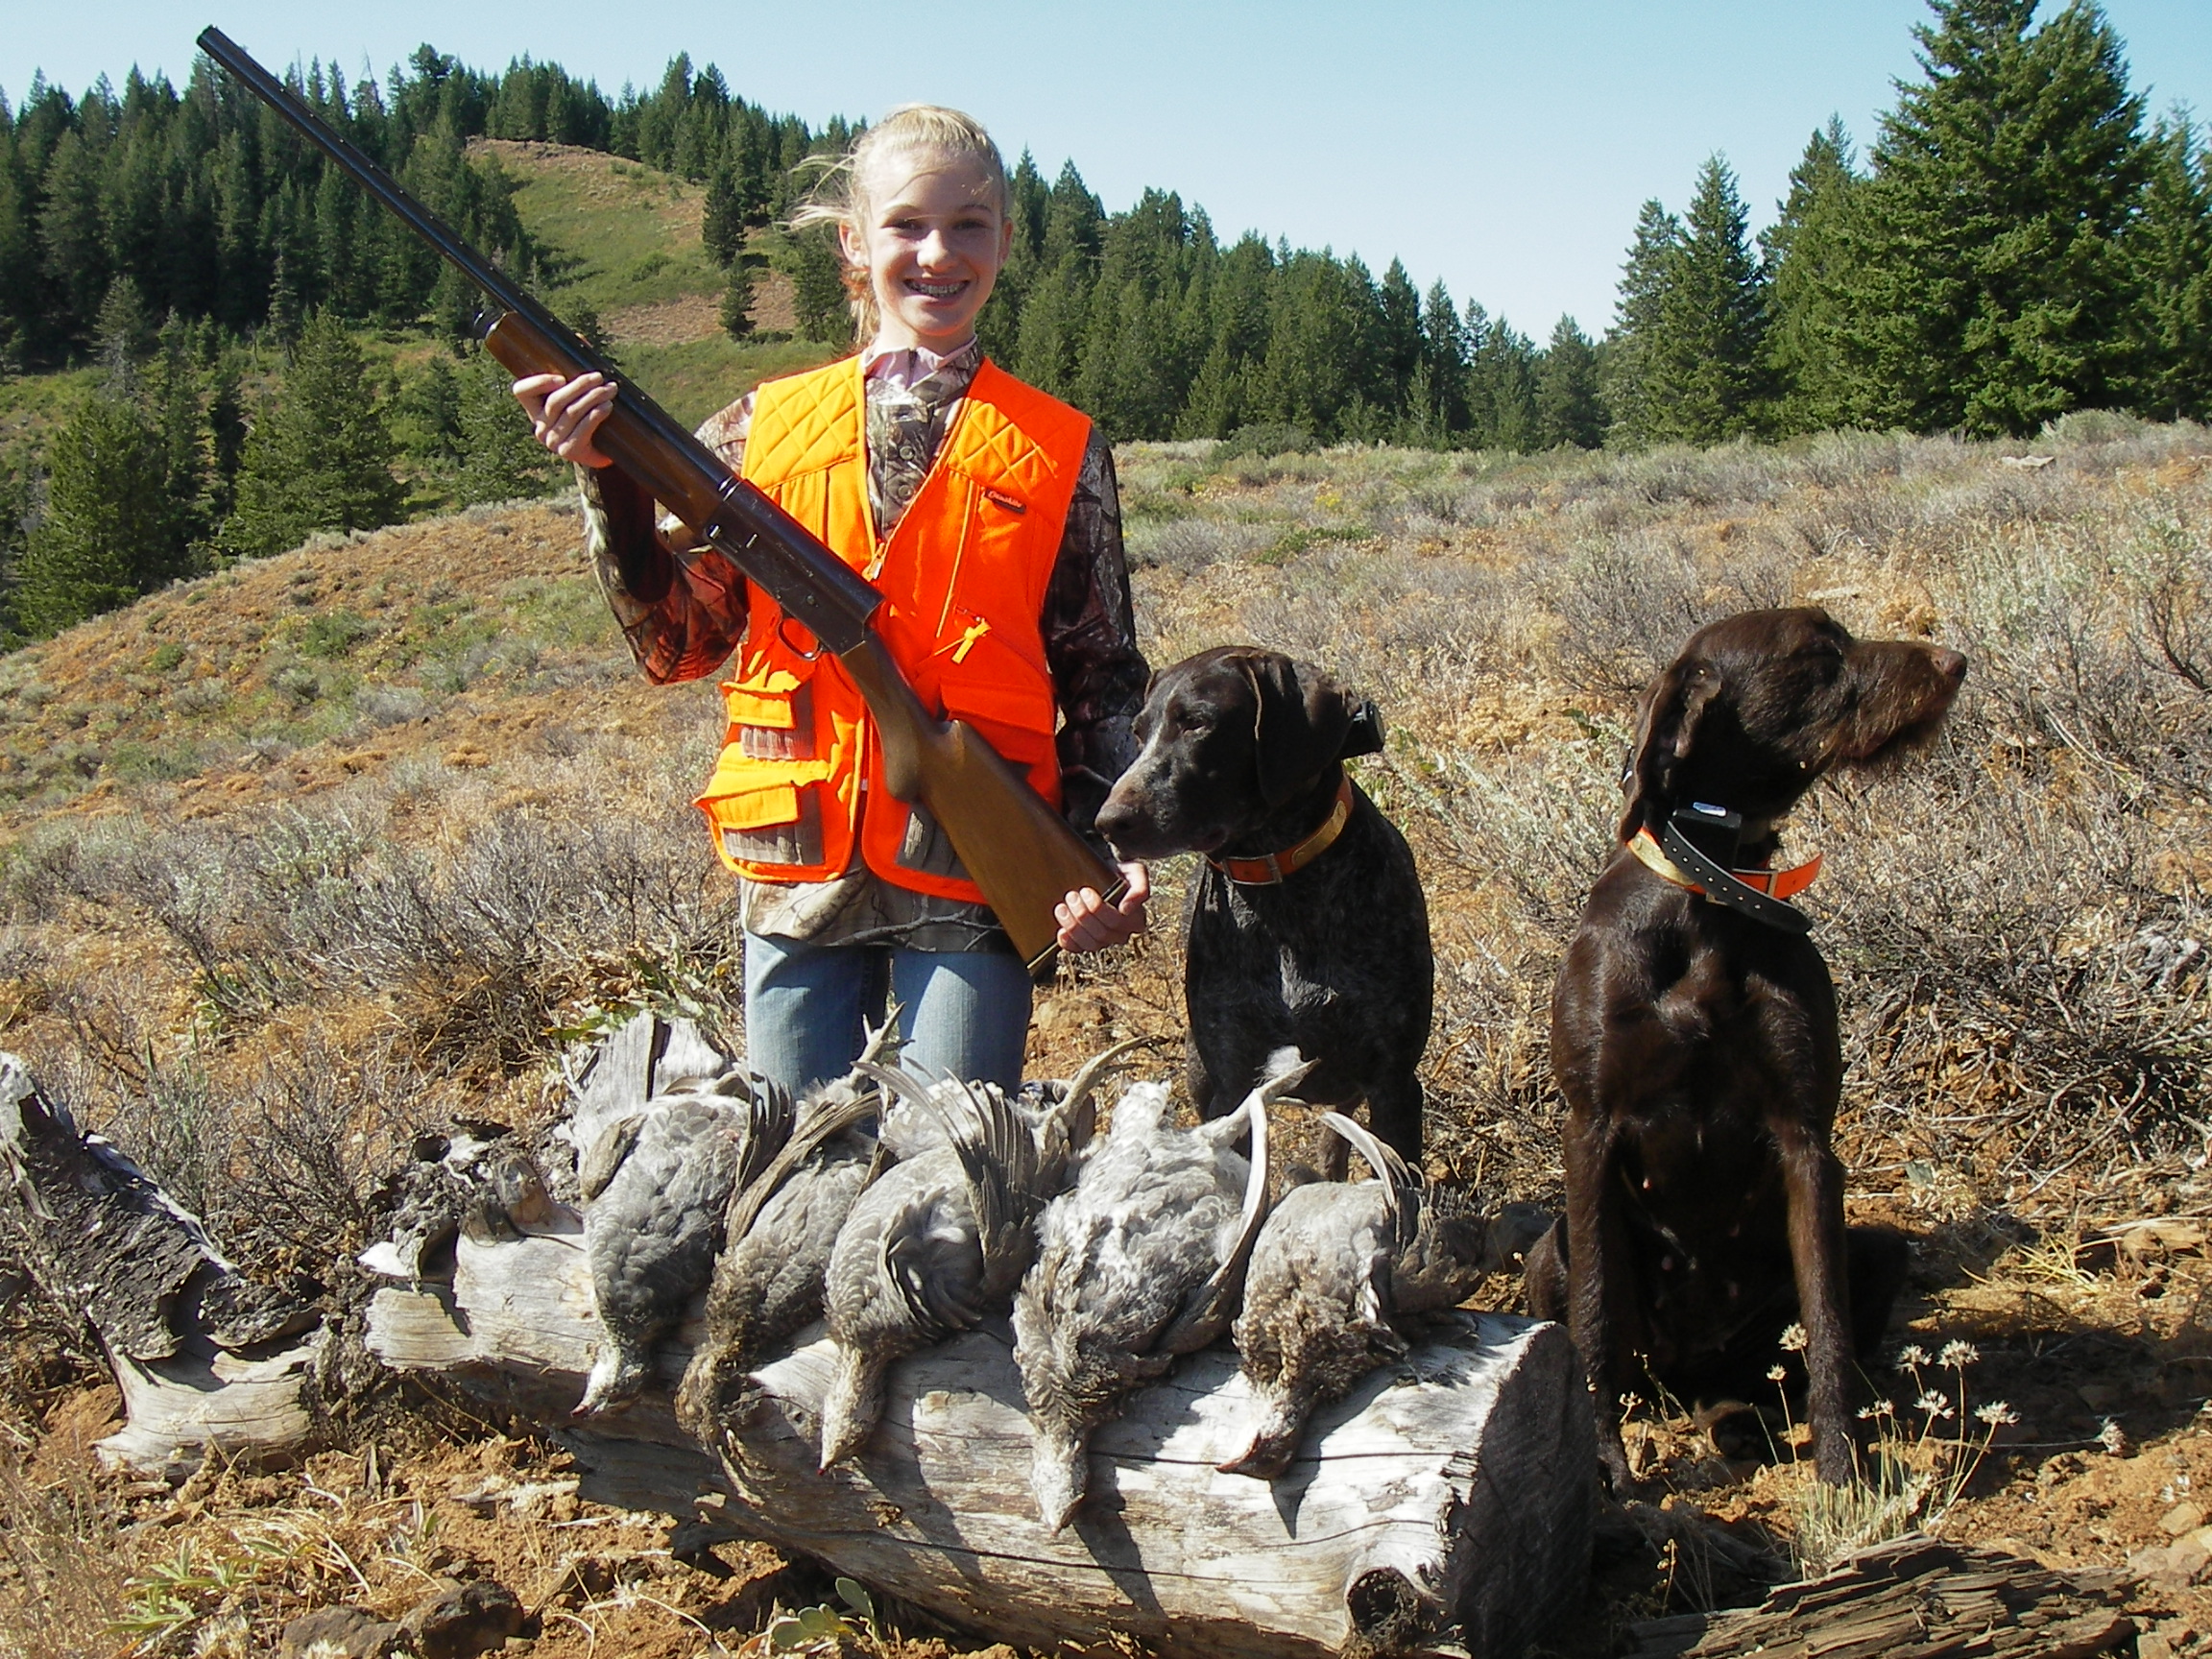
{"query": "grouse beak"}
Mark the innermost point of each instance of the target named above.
(1059, 1475)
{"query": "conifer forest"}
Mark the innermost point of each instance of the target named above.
(2020, 237)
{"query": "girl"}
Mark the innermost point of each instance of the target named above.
(988, 514)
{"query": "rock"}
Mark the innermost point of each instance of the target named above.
(345, 1630)
(463, 1621)
(2181, 1518)
(2179, 1563)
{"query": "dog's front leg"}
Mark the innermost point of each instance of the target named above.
(1815, 1179)
(1601, 1279)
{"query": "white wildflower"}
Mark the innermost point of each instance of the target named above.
(1911, 1355)
(1934, 1405)
(1956, 1356)
(1997, 1414)
(1793, 1339)
(1773, 1373)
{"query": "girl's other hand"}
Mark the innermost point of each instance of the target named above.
(565, 414)
(1088, 923)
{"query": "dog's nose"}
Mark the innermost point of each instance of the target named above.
(1951, 665)
(1113, 816)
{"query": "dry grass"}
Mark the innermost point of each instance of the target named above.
(281, 887)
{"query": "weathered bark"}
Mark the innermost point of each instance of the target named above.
(205, 1357)
(1917, 1598)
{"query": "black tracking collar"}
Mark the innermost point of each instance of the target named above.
(1678, 839)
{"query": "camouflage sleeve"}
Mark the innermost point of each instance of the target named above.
(1091, 641)
(681, 607)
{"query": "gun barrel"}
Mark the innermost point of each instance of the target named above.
(576, 353)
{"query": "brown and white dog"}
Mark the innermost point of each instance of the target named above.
(1693, 1034)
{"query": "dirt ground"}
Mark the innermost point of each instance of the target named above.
(2101, 1355)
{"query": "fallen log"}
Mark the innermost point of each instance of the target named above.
(205, 1358)
(1445, 1507)
(1445, 1504)
(1918, 1598)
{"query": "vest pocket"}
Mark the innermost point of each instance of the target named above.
(986, 682)
(926, 849)
(771, 718)
(770, 823)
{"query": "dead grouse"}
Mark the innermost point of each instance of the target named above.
(938, 1240)
(657, 1183)
(1334, 1262)
(1139, 1263)
(780, 1229)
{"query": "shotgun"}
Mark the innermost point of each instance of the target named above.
(1022, 854)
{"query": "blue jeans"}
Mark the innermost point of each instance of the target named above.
(962, 1012)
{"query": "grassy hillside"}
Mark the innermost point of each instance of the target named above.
(299, 857)
(627, 244)
(623, 239)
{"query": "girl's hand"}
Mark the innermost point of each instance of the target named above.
(565, 414)
(1088, 923)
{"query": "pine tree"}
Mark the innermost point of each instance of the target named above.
(72, 234)
(1570, 408)
(1500, 386)
(500, 460)
(2170, 251)
(1808, 278)
(818, 298)
(1400, 344)
(319, 456)
(428, 415)
(736, 313)
(123, 334)
(175, 400)
(1644, 280)
(1444, 354)
(14, 520)
(107, 534)
(1991, 291)
(1707, 362)
(722, 220)
(1054, 322)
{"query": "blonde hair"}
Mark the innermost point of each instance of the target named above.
(838, 197)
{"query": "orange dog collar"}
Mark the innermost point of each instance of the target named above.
(1271, 870)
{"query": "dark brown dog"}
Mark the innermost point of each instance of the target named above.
(1697, 1045)
(1243, 761)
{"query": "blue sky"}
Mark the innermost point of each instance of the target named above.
(1502, 147)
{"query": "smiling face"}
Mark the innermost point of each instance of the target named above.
(931, 237)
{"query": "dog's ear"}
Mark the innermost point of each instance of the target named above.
(1667, 721)
(1303, 719)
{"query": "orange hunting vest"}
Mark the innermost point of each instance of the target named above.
(800, 782)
